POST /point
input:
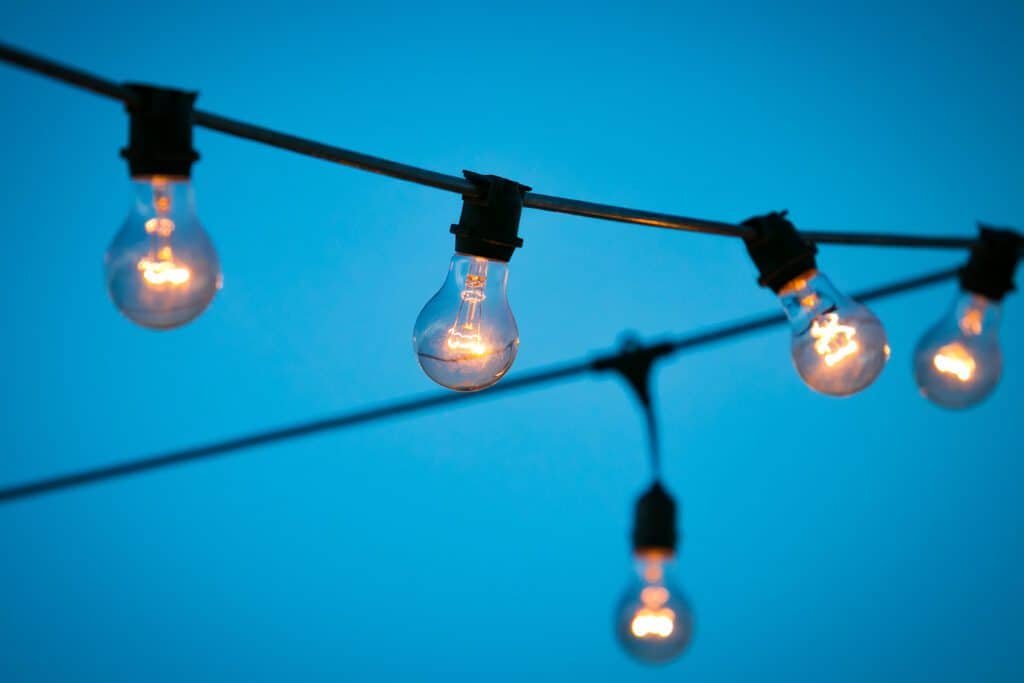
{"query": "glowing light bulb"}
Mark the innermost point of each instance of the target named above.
(653, 621)
(465, 337)
(958, 361)
(161, 268)
(838, 346)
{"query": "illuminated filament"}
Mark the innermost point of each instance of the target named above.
(161, 227)
(159, 267)
(953, 359)
(971, 321)
(653, 619)
(834, 341)
(465, 333)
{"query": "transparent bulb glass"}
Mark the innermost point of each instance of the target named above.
(653, 620)
(958, 361)
(161, 268)
(838, 346)
(465, 337)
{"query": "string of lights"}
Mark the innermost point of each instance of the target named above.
(162, 271)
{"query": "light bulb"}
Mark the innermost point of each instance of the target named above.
(838, 346)
(465, 337)
(653, 620)
(161, 268)
(958, 361)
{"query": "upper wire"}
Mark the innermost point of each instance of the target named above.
(451, 183)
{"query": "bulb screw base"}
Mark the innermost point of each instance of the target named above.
(654, 521)
(778, 250)
(489, 224)
(990, 268)
(160, 132)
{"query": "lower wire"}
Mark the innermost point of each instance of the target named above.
(562, 371)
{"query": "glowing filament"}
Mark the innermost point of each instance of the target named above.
(970, 323)
(161, 227)
(471, 343)
(653, 619)
(160, 269)
(464, 334)
(163, 270)
(834, 341)
(657, 623)
(953, 359)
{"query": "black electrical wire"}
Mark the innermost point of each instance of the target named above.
(457, 184)
(597, 364)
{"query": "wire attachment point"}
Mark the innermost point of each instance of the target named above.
(634, 363)
(990, 268)
(778, 250)
(160, 132)
(489, 224)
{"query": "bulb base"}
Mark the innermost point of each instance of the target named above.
(160, 132)
(489, 224)
(654, 522)
(990, 269)
(778, 250)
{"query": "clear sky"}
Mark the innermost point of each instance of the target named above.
(871, 538)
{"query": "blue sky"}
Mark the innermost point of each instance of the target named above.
(872, 537)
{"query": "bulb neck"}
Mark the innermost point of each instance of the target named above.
(465, 268)
(807, 296)
(157, 196)
(652, 567)
(976, 314)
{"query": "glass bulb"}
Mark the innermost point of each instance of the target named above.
(465, 337)
(653, 620)
(161, 268)
(958, 361)
(838, 346)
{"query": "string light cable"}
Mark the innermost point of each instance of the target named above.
(459, 185)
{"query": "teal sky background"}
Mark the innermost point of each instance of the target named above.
(872, 538)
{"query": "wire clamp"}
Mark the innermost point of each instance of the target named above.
(778, 250)
(160, 132)
(489, 224)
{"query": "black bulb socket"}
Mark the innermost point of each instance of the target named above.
(990, 268)
(160, 132)
(654, 522)
(489, 224)
(780, 253)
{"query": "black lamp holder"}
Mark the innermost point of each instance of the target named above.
(990, 268)
(654, 522)
(160, 132)
(778, 250)
(489, 224)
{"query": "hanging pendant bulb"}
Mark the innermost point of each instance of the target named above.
(958, 362)
(653, 621)
(466, 338)
(161, 268)
(838, 345)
